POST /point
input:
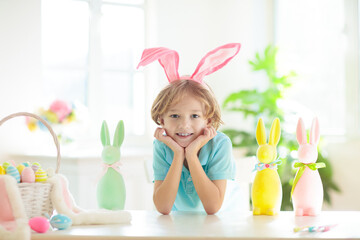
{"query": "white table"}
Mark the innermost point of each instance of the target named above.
(226, 225)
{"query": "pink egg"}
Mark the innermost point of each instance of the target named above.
(39, 224)
(27, 175)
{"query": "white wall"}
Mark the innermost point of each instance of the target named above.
(344, 156)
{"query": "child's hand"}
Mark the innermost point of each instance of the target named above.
(159, 135)
(194, 147)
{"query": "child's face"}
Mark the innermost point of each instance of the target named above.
(185, 120)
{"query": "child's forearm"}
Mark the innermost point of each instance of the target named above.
(210, 194)
(165, 192)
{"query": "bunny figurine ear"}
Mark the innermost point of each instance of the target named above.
(6, 209)
(214, 60)
(260, 132)
(168, 59)
(301, 132)
(275, 132)
(315, 132)
(13, 219)
(119, 134)
(105, 137)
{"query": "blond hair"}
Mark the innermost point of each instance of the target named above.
(173, 93)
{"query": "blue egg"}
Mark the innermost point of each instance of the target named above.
(12, 171)
(26, 164)
(60, 222)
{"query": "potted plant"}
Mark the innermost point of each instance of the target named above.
(265, 103)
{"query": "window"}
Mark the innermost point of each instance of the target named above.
(313, 41)
(90, 50)
(65, 45)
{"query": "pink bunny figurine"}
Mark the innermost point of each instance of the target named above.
(307, 191)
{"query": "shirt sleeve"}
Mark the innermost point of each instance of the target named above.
(160, 166)
(221, 162)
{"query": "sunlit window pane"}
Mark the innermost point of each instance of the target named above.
(122, 35)
(90, 51)
(118, 89)
(139, 106)
(65, 33)
(124, 99)
(65, 38)
(311, 41)
(122, 39)
(130, 2)
(68, 85)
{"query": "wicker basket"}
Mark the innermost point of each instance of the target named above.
(36, 196)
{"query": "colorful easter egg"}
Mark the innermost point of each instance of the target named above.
(28, 175)
(60, 221)
(41, 175)
(6, 165)
(36, 164)
(12, 171)
(20, 168)
(2, 170)
(26, 164)
(35, 168)
(39, 224)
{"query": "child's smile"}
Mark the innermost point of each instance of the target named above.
(185, 120)
(184, 134)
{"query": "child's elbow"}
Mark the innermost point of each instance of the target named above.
(164, 211)
(212, 210)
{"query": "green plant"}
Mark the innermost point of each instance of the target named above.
(255, 103)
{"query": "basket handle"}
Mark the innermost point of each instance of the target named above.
(46, 125)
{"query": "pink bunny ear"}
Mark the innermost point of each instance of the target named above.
(315, 132)
(66, 195)
(214, 60)
(169, 60)
(13, 219)
(301, 132)
(6, 213)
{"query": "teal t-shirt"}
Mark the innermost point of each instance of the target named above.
(216, 159)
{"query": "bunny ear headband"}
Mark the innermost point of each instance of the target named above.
(169, 60)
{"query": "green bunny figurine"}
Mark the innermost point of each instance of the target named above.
(111, 192)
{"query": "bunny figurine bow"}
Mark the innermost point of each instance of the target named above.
(211, 62)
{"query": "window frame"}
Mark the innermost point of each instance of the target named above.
(352, 19)
(94, 73)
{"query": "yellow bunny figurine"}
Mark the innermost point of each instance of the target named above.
(266, 192)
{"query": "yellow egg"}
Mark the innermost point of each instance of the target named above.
(32, 126)
(20, 168)
(2, 170)
(41, 175)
